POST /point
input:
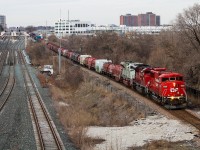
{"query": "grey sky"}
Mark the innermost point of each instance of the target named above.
(37, 12)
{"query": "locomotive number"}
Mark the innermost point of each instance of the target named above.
(173, 90)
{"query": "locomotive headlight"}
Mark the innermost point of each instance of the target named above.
(172, 97)
(174, 84)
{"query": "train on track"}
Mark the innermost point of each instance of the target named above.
(166, 87)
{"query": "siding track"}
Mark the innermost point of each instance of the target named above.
(46, 134)
(9, 82)
(7, 88)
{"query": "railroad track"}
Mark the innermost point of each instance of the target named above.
(3, 56)
(186, 117)
(7, 88)
(9, 82)
(46, 134)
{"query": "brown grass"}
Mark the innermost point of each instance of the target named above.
(161, 144)
(43, 80)
(90, 106)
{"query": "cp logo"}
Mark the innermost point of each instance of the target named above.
(173, 90)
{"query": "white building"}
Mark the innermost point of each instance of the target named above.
(123, 29)
(69, 27)
(3, 21)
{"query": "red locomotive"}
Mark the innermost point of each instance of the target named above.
(168, 88)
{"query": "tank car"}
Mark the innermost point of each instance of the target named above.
(83, 57)
(75, 56)
(99, 64)
(90, 62)
(117, 73)
(108, 68)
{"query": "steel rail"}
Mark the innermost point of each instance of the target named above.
(7, 87)
(186, 117)
(58, 142)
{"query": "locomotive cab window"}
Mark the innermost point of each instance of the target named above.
(165, 79)
(172, 79)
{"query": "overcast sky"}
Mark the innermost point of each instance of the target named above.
(38, 12)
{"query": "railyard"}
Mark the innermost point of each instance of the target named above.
(19, 129)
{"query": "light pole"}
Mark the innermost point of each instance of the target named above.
(59, 60)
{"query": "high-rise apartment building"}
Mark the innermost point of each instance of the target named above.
(158, 20)
(3, 21)
(148, 19)
(129, 20)
(142, 20)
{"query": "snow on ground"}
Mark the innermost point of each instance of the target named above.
(140, 132)
(63, 104)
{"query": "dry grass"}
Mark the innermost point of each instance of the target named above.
(89, 105)
(164, 145)
(43, 80)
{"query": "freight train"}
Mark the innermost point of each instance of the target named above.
(166, 87)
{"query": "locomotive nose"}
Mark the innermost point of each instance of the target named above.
(175, 91)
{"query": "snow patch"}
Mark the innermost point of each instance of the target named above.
(63, 104)
(140, 132)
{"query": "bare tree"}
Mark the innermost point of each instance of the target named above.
(30, 29)
(188, 23)
(52, 38)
